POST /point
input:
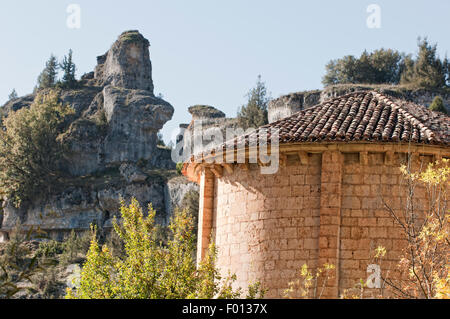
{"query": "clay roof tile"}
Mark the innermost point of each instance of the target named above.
(360, 116)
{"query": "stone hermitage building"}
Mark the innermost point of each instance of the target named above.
(338, 162)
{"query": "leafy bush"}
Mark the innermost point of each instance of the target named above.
(38, 268)
(30, 153)
(380, 66)
(179, 168)
(190, 203)
(47, 284)
(389, 66)
(437, 105)
(49, 249)
(75, 248)
(424, 261)
(18, 263)
(149, 270)
(310, 284)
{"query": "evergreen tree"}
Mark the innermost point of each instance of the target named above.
(254, 114)
(13, 95)
(391, 67)
(69, 68)
(30, 152)
(380, 66)
(438, 105)
(427, 70)
(47, 78)
(386, 66)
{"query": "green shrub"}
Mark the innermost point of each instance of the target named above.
(75, 248)
(30, 152)
(18, 263)
(149, 270)
(438, 105)
(254, 113)
(180, 168)
(49, 249)
(190, 203)
(47, 284)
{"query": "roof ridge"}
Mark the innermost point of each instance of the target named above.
(319, 104)
(389, 101)
(379, 118)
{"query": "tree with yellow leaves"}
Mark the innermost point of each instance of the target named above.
(424, 262)
(308, 284)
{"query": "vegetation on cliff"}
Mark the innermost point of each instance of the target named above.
(380, 66)
(389, 66)
(13, 95)
(30, 153)
(132, 36)
(438, 105)
(68, 79)
(49, 76)
(38, 269)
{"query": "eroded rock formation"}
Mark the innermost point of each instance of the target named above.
(207, 128)
(112, 141)
(127, 64)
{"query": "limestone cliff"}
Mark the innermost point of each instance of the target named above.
(207, 128)
(112, 141)
(294, 102)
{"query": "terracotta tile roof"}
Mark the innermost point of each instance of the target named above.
(359, 117)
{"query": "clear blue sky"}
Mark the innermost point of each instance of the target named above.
(210, 52)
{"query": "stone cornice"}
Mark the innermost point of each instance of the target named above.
(194, 166)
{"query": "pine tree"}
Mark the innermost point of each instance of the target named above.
(254, 114)
(438, 105)
(47, 78)
(68, 67)
(13, 95)
(427, 70)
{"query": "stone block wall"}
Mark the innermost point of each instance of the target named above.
(365, 223)
(267, 226)
(326, 208)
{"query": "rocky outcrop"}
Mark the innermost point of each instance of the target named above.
(208, 128)
(127, 64)
(289, 104)
(77, 207)
(120, 124)
(205, 112)
(112, 146)
(132, 173)
(17, 104)
(175, 190)
(134, 118)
